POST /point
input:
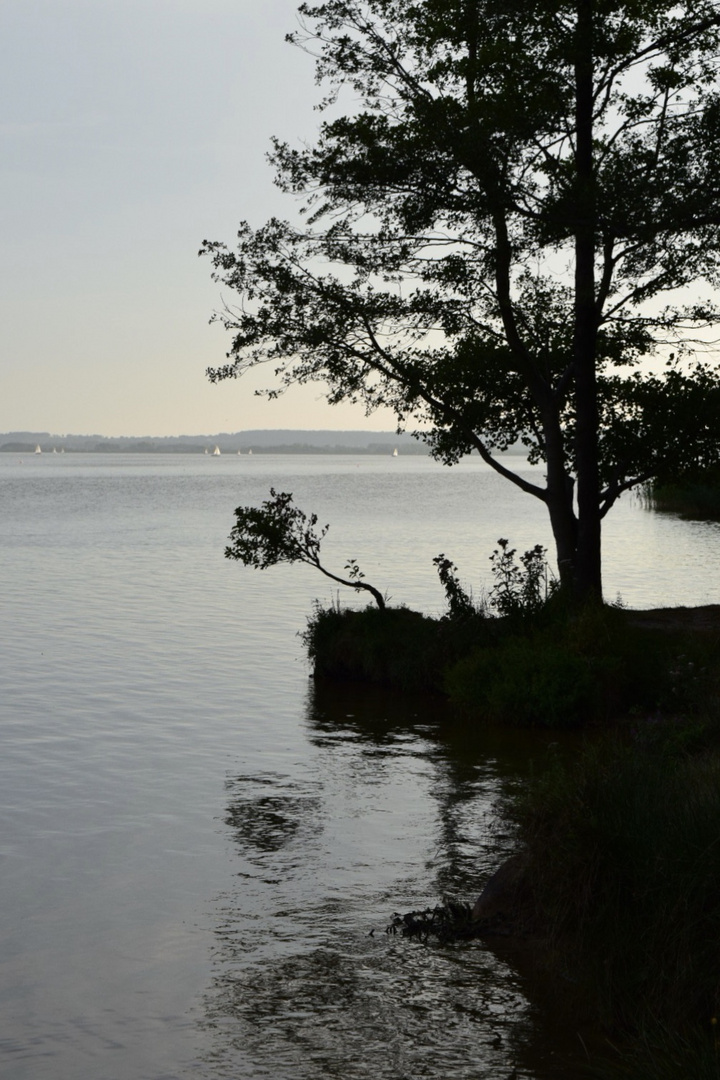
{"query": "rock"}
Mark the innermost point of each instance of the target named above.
(506, 896)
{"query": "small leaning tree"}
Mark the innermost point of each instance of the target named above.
(512, 232)
(280, 532)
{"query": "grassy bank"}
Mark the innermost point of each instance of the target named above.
(550, 670)
(622, 854)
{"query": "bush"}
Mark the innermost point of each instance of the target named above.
(529, 681)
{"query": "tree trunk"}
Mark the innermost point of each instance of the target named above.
(560, 498)
(588, 567)
(564, 527)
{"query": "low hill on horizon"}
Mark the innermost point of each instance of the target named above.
(270, 440)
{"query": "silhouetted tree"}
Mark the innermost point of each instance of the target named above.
(277, 532)
(500, 235)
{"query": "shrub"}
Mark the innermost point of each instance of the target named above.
(561, 670)
(520, 592)
(530, 681)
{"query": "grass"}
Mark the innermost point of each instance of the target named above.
(554, 670)
(662, 1054)
(622, 851)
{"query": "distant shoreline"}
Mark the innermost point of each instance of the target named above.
(195, 451)
(54, 449)
(258, 441)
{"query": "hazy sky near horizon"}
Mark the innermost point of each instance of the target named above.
(131, 131)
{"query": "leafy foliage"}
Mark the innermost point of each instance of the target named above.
(500, 235)
(460, 604)
(530, 682)
(277, 532)
(520, 592)
(693, 495)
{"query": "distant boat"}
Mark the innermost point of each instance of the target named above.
(395, 453)
(54, 450)
(249, 451)
(216, 452)
(206, 450)
(37, 449)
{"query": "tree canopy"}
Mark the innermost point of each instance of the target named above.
(511, 232)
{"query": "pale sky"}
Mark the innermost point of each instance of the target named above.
(131, 130)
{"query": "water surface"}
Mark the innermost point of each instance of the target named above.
(196, 843)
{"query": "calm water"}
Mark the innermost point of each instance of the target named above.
(196, 844)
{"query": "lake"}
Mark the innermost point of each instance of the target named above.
(200, 849)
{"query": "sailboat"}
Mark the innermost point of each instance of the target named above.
(37, 449)
(216, 452)
(395, 453)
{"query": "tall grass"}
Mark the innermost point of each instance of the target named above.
(395, 647)
(624, 864)
(660, 1053)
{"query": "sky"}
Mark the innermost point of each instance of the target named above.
(132, 130)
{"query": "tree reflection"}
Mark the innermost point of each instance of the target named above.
(473, 769)
(266, 823)
(394, 806)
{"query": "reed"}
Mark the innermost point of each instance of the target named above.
(694, 496)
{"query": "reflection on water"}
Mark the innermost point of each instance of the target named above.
(267, 822)
(307, 984)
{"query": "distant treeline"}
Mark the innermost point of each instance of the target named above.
(259, 442)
